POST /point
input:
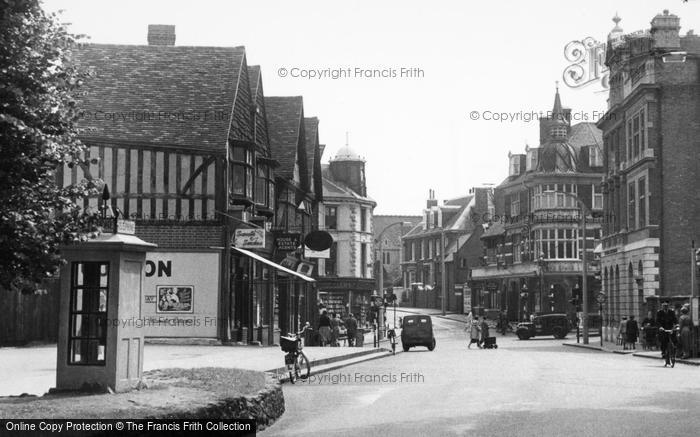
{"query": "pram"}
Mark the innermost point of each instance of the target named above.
(490, 343)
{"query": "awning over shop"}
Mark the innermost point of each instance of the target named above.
(257, 257)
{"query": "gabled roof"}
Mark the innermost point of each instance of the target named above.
(262, 138)
(286, 128)
(169, 96)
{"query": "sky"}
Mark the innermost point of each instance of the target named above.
(434, 95)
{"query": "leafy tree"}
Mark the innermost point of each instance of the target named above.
(38, 136)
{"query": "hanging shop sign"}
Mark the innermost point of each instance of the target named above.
(310, 253)
(249, 238)
(287, 242)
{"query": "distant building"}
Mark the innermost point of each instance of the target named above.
(345, 281)
(534, 242)
(391, 228)
(652, 137)
(458, 221)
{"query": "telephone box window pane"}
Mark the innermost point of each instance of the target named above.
(88, 313)
(77, 325)
(78, 299)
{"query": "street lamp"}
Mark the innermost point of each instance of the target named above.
(380, 288)
(523, 297)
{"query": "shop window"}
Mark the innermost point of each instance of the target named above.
(89, 291)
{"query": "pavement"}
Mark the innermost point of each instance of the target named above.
(609, 346)
(33, 369)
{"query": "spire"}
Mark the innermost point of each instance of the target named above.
(558, 128)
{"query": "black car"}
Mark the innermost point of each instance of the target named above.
(557, 325)
(417, 331)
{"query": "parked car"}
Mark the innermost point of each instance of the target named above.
(557, 325)
(417, 330)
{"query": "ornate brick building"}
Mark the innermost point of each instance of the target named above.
(651, 135)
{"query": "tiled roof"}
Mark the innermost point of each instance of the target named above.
(162, 95)
(284, 123)
(585, 134)
(336, 190)
(494, 230)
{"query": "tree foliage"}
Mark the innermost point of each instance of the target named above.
(38, 112)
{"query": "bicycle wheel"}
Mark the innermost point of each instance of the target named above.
(672, 353)
(302, 366)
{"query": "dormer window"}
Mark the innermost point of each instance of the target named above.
(531, 163)
(595, 158)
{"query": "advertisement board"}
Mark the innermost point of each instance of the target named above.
(180, 294)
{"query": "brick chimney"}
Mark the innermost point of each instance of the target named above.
(161, 35)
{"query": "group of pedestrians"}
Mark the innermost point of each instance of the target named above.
(330, 328)
(628, 333)
(478, 330)
(659, 329)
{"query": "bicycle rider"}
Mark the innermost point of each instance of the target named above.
(665, 319)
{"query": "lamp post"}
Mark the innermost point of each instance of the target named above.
(443, 276)
(380, 287)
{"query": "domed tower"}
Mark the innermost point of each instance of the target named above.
(615, 35)
(348, 167)
(557, 154)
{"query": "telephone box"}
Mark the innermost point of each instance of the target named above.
(100, 338)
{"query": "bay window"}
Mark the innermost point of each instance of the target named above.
(549, 196)
(241, 182)
(558, 243)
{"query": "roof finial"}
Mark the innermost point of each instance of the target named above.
(616, 19)
(347, 138)
(556, 84)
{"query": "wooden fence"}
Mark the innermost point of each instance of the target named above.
(29, 317)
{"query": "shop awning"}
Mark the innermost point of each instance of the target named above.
(257, 257)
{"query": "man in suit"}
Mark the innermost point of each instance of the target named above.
(666, 319)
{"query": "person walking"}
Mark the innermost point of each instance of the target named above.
(335, 329)
(685, 325)
(622, 333)
(632, 332)
(324, 328)
(351, 326)
(666, 319)
(648, 331)
(474, 330)
(484, 330)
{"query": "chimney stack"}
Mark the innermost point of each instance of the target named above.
(432, 201)
(161, 35)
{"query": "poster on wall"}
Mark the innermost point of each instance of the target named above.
(180, 295)
(175, 299)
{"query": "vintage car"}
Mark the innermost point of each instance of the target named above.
(557, 325)
(417, 330)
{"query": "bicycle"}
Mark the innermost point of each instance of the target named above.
(671, 347)
(391, 334)
(297, 362)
